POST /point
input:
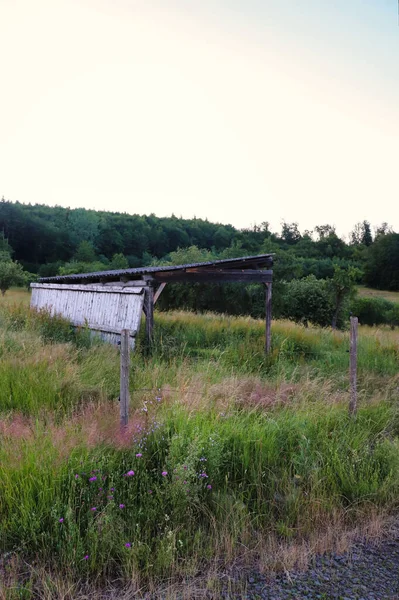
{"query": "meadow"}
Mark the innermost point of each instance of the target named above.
(365, 292)
(231, 460)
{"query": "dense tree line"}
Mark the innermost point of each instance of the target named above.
(313, 265)
(41, 235)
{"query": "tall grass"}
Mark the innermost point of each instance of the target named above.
(230, 449)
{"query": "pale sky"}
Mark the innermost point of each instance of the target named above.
(239, 111)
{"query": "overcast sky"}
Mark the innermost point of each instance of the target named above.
(239, 111)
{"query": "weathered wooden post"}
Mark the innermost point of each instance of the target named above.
(124, 386)
(353, 366)
(149, 315)
(268, 343)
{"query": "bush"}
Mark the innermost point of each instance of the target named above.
(376, 311)
(308, 299)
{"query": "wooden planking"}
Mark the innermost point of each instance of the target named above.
(88, 306)
(106, 288)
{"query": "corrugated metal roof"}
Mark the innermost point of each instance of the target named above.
(242, 262)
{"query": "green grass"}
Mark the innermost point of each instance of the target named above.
(271, 436)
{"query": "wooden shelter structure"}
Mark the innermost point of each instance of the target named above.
(111, 301)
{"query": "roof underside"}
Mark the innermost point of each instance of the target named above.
(261, 261)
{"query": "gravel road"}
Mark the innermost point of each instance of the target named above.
(367, 572)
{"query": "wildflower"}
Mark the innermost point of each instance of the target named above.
(209, 487)
(76, 476)
(164, 473)
(129, 474)
(185, 482)
(128, 545)
(93, 478)
(110, 497)
(61, 520)
(150, 491)
(139, 455)
(112, 490)
(203, 475)
(121, 506)
(93, 508)
(100, 489)
(184, 467)
(86, 557)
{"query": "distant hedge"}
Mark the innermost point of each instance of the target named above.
(376, 311)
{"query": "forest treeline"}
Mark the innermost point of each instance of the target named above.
(48, 241)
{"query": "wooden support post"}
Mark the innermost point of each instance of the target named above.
(353, 366)
(124, 386)
(268, 344)
(149, 315)
(159, 291)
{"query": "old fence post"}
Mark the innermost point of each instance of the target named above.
(149, 316)
(268, 340)
(353, 366)
(124, 389)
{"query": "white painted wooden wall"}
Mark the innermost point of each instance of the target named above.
(105, 310)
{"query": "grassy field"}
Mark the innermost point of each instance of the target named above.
(230, 458)
(366, 292)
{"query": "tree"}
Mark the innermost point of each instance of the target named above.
(11, 273)
(290, 232)
(343, 286)
(308, 299)
(361, 234)
(382, 267)
(119, 261)
(85, 252)
(5, 248)
(383, 229)
(324, 231)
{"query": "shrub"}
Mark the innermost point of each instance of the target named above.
(375, 311)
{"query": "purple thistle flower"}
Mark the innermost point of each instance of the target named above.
(164, 473)
(93, 508)
(76, 476)
(61, 520)
(112, 490)
(121, 506)
(86, 557)
(203, 475)
(128, 545)
(93, 478)
(209, 487)
(139, 455)
(129, 474)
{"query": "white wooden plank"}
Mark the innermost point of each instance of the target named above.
(105, 313)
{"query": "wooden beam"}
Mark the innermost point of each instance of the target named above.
(214, 275)
(353, 366)
(149, 315)
(127, 284)
(124, 383)
(268, 341)
(159, 291)
(110, 288)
